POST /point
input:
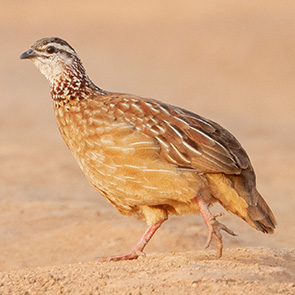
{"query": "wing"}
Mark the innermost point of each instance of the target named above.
(186, 139)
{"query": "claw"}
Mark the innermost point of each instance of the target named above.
(138, 248)
(130, 256)
(214, 226)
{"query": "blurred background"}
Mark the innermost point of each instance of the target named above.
(231, 61)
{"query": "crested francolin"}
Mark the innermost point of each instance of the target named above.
(148, 158)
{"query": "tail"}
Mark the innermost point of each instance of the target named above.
(238, 195)
(260, 214)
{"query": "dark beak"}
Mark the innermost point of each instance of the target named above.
(28, 54)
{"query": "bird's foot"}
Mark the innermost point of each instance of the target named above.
(213, 225)
(137, 250)
(130, 256)
(214, 228)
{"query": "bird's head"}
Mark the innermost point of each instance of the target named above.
(54, 58)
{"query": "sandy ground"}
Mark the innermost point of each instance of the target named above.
(240, 271)
(230, 61)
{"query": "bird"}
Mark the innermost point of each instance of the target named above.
(149, 159)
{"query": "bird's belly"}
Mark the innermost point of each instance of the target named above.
(127, 180)
(126, 167)
(129, 175)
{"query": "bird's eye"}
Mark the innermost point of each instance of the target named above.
(50, 49)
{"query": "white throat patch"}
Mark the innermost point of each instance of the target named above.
(52, 70)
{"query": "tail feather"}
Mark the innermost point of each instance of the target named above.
(258, 214)
(261, 215)
(238, 194)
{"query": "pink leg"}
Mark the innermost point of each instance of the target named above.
(137, 250)
(214, 226)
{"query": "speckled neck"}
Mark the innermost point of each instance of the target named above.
(73, 83)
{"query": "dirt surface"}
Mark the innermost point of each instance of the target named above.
(240, 271)
(230, 61)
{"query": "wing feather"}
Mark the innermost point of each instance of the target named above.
(187, 139)
(205, 145)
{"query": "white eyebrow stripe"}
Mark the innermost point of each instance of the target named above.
(61, 47)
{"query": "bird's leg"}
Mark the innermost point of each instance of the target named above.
(137, 250)
(214, 226)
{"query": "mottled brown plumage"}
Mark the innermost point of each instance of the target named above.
(149, 159)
